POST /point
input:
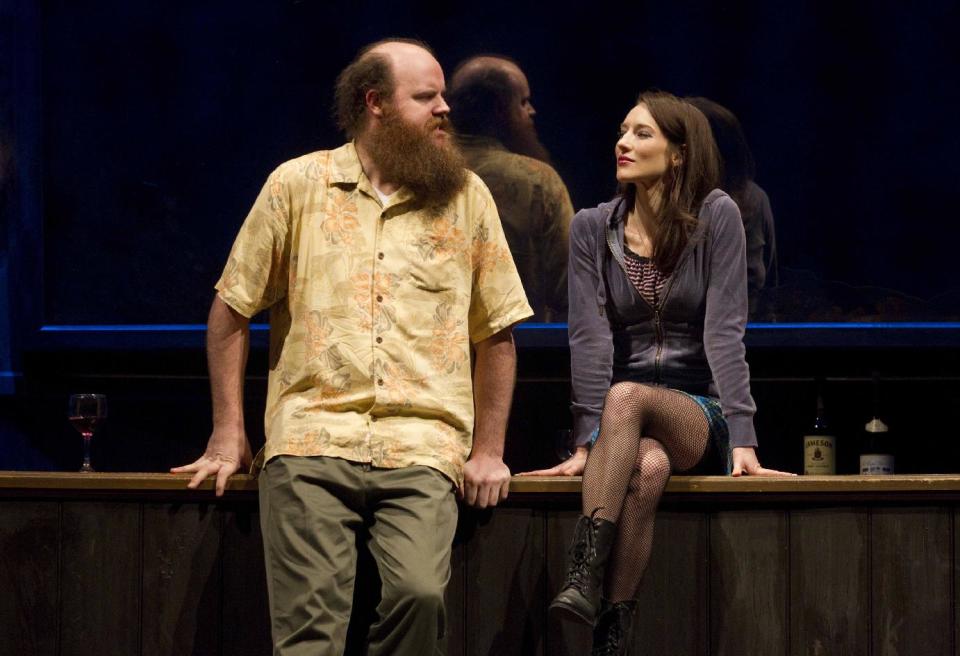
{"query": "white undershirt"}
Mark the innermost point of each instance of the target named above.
(384, 198)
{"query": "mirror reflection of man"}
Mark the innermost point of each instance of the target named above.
(491, 109)
(388, 280)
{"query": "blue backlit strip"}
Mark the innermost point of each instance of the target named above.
(199, 327)
(138, 328)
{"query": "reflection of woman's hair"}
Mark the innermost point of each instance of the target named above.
(688, 183)
(737, 162)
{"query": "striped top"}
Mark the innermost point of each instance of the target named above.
(645, 276)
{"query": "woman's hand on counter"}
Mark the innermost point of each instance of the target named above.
(745, 463)
(572, 466)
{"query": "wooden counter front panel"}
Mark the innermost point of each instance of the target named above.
(245, 630)
(100, 586)
(748, 582)
(181, 579)
(829, 581)
(911, 591)
(506, 582)
(672, 608)
(29, 576)
(136, 577)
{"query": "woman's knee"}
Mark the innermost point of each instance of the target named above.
(626, 399)
(653, 467)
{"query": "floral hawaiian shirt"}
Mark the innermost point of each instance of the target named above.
(372, 312)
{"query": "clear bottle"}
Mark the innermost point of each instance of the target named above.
(820, 445)
(876, 447)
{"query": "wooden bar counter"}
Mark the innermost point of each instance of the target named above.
(137, 564)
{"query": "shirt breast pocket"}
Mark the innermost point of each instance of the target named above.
(442, 273)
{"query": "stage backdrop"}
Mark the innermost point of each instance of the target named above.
(151, 127)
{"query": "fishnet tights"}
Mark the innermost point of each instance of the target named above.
(645, 432)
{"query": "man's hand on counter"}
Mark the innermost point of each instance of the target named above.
(486, 481)
(228, 452)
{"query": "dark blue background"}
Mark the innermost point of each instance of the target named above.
(135, 135)
(158, 123)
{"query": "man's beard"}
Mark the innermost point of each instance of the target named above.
(522, 139)
(408, 156)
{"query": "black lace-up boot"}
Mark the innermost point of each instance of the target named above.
(611, 635)
(580, 595)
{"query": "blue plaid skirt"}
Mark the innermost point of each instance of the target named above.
(719, 432)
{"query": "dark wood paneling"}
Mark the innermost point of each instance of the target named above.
(829, 581)
(817, 580)
(181, 580)
(100, 561)
(456, 600)
(29, 543)
(563, 638)
(672, 601)
(911, 576)
(748, 589)
(505, 583)
(245, 627)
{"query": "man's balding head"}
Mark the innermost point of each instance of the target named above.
(474, 68)
(373, 69)
(490, 96)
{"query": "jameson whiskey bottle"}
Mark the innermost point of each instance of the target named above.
(819, 445)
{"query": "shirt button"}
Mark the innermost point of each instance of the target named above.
(379, 340)
(380, 381)
(379, 256)
(379, 298)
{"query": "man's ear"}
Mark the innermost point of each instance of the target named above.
(374, 102)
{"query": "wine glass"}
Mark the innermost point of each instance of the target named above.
(86, 412)
(563, 446)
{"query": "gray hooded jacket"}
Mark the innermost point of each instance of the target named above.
(692, 342)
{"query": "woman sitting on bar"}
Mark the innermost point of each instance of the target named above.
(658, 308)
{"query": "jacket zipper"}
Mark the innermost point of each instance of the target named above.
(657, 319)
(658, 326)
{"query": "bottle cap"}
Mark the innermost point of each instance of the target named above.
(876, 426)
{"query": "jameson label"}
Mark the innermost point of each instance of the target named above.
(819, 455)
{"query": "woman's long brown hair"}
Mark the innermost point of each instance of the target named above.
(686, 184)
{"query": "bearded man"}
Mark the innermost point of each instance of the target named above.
(387, 274)
(493, 114)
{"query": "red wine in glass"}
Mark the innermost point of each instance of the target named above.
(86, 426)
(86, 412)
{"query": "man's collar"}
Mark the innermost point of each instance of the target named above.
(347, 170)
(346, 167)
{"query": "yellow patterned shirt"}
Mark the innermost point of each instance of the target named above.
(372, 312)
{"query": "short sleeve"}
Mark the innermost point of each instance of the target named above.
(255, 276)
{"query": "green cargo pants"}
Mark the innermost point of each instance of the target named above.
(311, 509)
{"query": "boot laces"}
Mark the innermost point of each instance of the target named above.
(581, 554)
(614, 634)
(611, 646)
